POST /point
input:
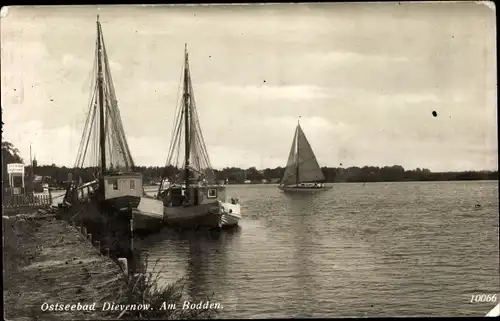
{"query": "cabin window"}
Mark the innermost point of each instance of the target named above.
(115, 184)
(132, 184)
(212, 193)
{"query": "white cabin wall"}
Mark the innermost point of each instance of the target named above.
(123, 187)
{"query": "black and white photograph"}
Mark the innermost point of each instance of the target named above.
(250, 160)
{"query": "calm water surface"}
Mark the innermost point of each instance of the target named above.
(380, 249)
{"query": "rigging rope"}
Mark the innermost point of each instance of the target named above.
(177, 119)
(92, 93)
(116, 143)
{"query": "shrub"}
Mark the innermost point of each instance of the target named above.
(145, 288)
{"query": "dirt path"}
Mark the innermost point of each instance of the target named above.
(48, 261)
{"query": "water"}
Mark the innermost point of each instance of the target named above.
(380, 249)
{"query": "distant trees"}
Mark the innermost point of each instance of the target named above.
(10, 154)
(237, 175)
(396, 173)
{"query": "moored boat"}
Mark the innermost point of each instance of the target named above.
(115, 188)
(191, 196)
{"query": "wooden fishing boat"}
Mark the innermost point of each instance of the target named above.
(191, 196)
(115, 188)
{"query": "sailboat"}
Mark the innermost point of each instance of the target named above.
(189, 191)
(115, 188)
(302, 172)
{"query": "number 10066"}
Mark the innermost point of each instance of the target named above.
(483, 298)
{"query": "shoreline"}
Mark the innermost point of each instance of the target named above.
(48, 261)
(52, 271)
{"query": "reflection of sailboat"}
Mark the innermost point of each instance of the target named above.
(192, 198)
(303, 259)
(115, 187)
(302, 172)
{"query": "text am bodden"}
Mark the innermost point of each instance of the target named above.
(111, 306)
(186, 305)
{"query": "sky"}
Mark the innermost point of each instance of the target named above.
(364, 78)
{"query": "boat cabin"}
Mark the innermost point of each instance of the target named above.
(119, 185)
(115, 186)
(176, 195)
(82, 193)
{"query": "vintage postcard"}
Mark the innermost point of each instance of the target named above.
(323, 160)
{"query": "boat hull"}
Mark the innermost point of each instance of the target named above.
(144, 223)
(149, 215)
(121, 203)
(231, 214)
(206, 215)
(300, 189)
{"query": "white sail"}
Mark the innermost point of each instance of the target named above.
(302, 166)
(309, 170)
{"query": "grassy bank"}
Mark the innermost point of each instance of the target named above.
(48, 261)
(144, 288)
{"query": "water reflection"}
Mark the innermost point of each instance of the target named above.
(302, 217)
(201, 257)
(351, 251)
(207, 261)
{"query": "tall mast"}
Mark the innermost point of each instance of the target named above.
(100, 81)
(32, 171)
(297, 137)
(186, 117)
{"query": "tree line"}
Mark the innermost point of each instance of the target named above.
(235, 175)
(56, 175)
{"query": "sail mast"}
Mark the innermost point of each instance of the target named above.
(186, 118)
(297, 135)
(100, 81)
(32, 172)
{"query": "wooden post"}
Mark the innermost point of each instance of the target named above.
(124, 265)
(132, 233)
(90, 237)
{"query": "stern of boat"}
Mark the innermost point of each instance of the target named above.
(231, 213)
